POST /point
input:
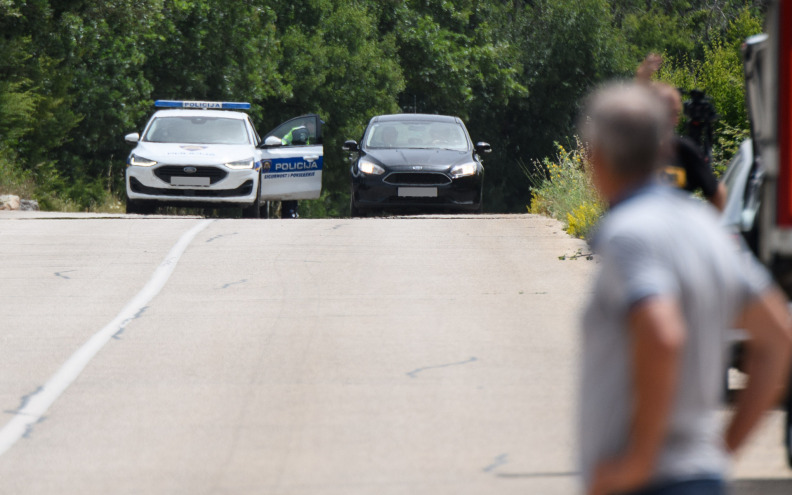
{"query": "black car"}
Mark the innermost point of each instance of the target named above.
(416, 161)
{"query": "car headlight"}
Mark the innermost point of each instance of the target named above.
(140, 161)
(370, 168)
(241, 164)
(464, 170)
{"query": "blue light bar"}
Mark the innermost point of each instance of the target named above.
(219, 105)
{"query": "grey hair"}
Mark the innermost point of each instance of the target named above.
(627, 124)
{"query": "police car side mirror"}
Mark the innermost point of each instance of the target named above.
(482, 147)
(132, 138)
(350, 145)
(273, 141)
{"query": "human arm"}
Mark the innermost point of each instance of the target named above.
(657, 334)
(699, 174)
(769, 327)
(650, 65)
(718, 198)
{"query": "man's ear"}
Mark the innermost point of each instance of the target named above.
(595, 159)
(601, 176)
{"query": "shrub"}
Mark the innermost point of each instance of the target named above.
(562, 189)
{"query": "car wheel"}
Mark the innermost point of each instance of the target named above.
(135, 207)
(254, 210)
(354, 211)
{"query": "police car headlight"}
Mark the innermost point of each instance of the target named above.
(241, 164)
(370, 168)
(140, 161)
(464, 170)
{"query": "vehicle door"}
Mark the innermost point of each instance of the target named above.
(292, 158)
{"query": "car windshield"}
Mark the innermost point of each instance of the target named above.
(197, 130)
(417, 135)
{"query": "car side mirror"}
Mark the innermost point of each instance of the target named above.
(482, 147)
(273, 141)
(132, 138)
(350, 145)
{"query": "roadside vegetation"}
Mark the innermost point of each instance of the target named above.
(562, 190)
(709, 61)
(76, 76)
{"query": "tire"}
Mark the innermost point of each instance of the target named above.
(254, 210)
(354, 211)
(136, 207)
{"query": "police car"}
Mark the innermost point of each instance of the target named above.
(208, 154)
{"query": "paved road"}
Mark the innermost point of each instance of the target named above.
(425, 355)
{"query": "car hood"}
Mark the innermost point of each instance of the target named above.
(194, 154)
(428, 159)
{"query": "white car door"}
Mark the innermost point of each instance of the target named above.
(291, 161)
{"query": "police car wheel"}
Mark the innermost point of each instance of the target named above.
(254, 210)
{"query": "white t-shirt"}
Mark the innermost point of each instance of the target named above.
(661, 242)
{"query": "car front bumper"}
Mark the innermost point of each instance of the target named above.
(171, 185)
(372, 192)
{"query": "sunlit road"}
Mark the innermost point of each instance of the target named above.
(425, 355)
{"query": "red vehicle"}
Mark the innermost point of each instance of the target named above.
(768, 75)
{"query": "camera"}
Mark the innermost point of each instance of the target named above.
(699, 109)
(701, 116)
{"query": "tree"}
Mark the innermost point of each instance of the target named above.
(337, 63)
(566, 47)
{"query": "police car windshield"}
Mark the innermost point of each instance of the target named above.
(197, 130)
(417, 135)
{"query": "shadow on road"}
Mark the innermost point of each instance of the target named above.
(762, 487)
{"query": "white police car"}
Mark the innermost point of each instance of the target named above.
(207, 154)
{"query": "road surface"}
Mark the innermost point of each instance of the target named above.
(417, 355)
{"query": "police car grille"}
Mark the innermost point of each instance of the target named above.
(244, 190)
(166, 172)
(417, 179)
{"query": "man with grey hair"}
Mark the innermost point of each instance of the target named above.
(670, 284)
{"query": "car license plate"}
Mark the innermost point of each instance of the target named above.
(418, 192)
(189, 181)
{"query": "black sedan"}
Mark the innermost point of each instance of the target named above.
(416, 161)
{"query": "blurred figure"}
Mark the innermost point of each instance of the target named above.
(685, 166)
(654, 348)
(303, 134)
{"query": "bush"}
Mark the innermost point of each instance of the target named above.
(562, 189)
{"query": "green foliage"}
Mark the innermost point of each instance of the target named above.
(75, 76)
(564, 48)
(720, 75)
(726, 145)
(562, 190)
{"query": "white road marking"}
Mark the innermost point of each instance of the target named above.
(36, 405)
